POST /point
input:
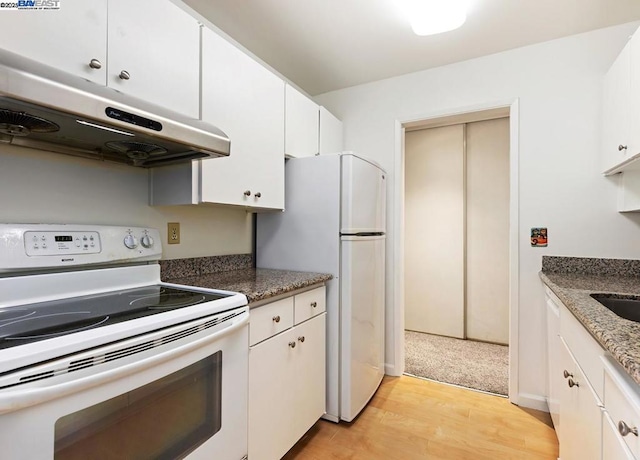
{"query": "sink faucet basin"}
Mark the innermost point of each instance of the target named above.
(627, 307)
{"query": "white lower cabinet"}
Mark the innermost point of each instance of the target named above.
(286, 376)
(599, 401)
(580, 412)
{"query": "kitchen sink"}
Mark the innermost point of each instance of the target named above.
(627, 307)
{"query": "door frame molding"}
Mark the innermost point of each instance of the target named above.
(486, 111)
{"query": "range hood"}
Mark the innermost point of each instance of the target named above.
(44, 108)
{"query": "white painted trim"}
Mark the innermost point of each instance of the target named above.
(532, 402)
(514, 251)
(398, 253)
(514, 220)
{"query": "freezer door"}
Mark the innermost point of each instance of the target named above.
(363, 196)
(362, 321)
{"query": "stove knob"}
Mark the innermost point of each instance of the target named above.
(131, 241)
(146, 241)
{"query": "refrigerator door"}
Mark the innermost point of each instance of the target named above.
(363, 196)
(362, 321)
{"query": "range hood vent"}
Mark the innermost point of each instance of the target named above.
(46, 109)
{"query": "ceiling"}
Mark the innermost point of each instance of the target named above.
(324, 45)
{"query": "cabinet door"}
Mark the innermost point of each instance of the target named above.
(580, 412)
(67, 39)
(302, 124)
(615, 108)
(246, 101)
(310, 374)
(271, 396)
(331, 137)
(158, 45)
(634, 96)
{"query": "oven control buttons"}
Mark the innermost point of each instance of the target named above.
(131, 241)
(146, 241)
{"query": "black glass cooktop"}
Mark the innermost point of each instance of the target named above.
(39, 321)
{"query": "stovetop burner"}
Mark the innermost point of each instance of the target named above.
(44, 320)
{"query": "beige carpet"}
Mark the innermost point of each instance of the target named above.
(477, 365)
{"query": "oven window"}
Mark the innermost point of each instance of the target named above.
(166, 419)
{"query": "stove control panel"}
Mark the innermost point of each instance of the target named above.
(44, 246)
(56, 243)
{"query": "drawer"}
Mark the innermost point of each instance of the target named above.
(309, 304)
(622, 402)
(584, 347)
(270, 319)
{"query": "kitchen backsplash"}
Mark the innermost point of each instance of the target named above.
(591, 266)
(179, 268)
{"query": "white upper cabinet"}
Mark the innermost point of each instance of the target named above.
(69, 39)
(246, 101)
(302, 124)
(331, 137)
(616, 146)
(154, 53)
(149, 49)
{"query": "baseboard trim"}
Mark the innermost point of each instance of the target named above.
(390, 369)
(531, 401)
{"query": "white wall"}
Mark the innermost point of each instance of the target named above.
(41, 187)
(558, 84)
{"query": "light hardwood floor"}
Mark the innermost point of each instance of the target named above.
(410, 418)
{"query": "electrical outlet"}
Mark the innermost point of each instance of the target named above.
(173, 232)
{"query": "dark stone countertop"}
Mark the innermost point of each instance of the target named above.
(620, 337)
(256, 283)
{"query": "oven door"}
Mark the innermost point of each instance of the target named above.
(180, 392)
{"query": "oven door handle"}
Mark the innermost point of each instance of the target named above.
(15, 399)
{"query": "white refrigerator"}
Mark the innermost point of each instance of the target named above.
(334, 222)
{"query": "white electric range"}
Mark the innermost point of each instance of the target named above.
(100, 359)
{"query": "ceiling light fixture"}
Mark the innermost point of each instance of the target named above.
(429, 17)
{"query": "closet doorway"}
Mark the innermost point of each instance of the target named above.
(457, 243)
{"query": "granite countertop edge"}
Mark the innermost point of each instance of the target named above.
(257, 284)
(618, 336)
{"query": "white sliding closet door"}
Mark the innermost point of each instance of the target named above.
(434, 231)
(487, 196)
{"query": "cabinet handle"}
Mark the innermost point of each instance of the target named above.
(258, 195)
(276, 319)
(622, 147)
(566, 374)
(314, 304)
(624, 429)
(124, 75)
(95, 64)
(301, 339)
(572, 383)
(247, 193)
(292, 344)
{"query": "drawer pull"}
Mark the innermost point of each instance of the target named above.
(124, 75)
(314, 304)
(566, 374)
(624, 429)
(247, 193)
(276, 319)
(292, 344)
(95, 64)
(572, 383)
(622, 147)
(301, 339)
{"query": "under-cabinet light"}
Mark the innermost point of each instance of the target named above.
(106, 128)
